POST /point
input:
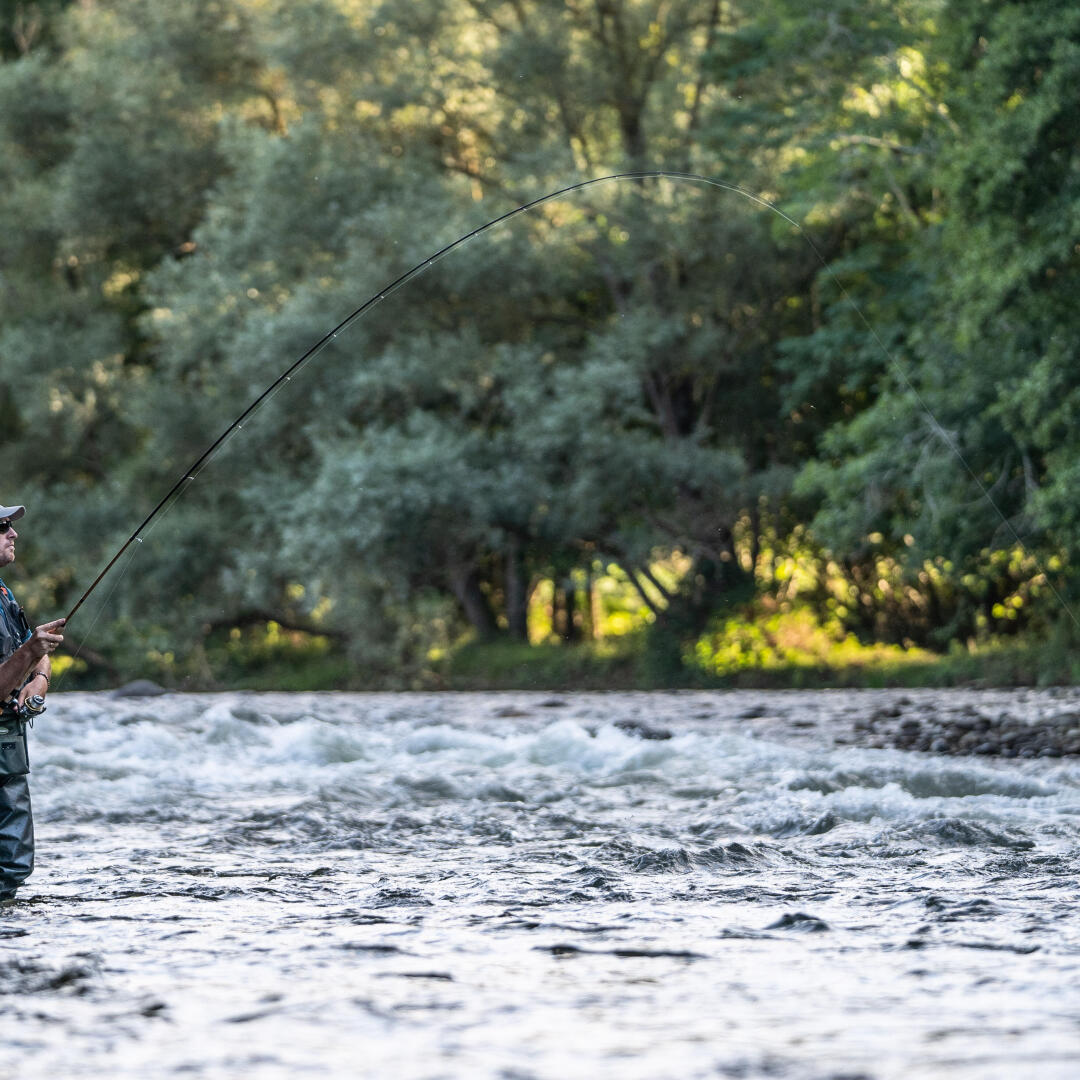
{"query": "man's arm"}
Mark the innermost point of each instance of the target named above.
(32, 655)
(38, 682)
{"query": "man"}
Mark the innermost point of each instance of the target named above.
(25, 669)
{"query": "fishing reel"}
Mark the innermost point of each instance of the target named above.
(30, 708)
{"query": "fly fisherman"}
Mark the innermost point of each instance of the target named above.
(25, 668)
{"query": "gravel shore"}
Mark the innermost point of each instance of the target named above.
(966, 728)
(1022, 722)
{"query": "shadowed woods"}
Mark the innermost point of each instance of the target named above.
(642, 435)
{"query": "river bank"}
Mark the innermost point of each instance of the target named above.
(1001, 722)
(803, 657)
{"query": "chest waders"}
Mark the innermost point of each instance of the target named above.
(16, 815)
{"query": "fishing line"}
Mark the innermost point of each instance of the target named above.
(420, 267)
(103, 606)
(190, 473)
(135, 546)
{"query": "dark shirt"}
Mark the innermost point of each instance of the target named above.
(14, 629)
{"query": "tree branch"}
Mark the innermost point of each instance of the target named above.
(649, 602)
(874, 140)
(699, 86)
(256, 616)
(650, 577)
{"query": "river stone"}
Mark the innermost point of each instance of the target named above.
(139, 688)
(642, 730)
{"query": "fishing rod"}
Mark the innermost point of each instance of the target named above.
(196, 466)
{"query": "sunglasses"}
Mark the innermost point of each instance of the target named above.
(5, 527)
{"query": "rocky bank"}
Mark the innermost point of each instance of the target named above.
(908, 724)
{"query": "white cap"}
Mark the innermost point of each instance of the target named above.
(11, 513)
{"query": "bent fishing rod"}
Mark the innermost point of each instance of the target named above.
(203, 459)
(196, 466)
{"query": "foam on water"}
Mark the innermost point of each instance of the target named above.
(483, 885)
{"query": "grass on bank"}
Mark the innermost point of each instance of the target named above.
(791, 649)
(613, 664)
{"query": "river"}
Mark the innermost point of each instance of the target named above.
(536, 887)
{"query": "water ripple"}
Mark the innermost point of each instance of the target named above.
(612, 885)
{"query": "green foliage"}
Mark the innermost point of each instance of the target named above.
(798, 644)
(638, 375)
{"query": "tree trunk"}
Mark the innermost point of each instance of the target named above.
(517, 594)
(755, 540)
(556, 615)
(571, 628)
(465, 584)
(590, 623)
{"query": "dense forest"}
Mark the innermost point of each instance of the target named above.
(837, 384)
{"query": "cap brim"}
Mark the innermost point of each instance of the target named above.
(12, 513)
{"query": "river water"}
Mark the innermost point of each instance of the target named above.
(513, 886)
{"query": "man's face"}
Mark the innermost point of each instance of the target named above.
(7, 543)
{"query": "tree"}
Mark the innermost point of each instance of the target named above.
(958, 438)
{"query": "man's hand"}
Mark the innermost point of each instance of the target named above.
(45, 639)
(36, 686)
